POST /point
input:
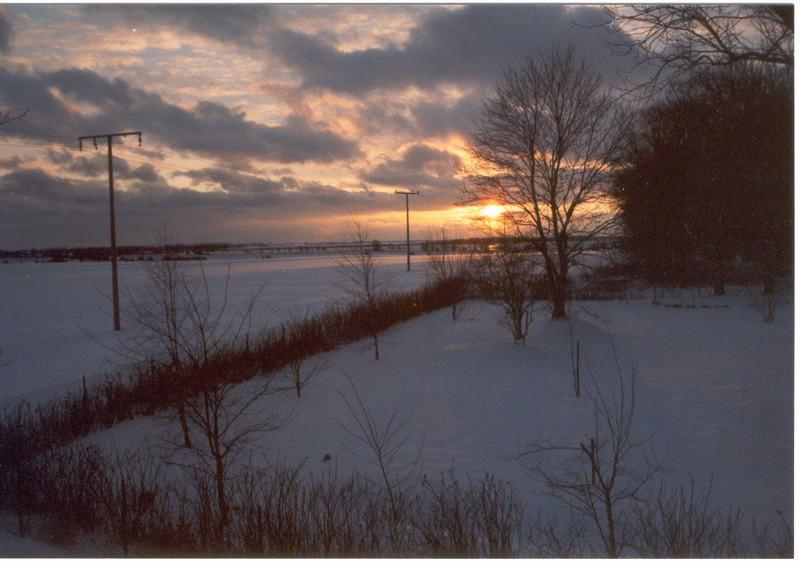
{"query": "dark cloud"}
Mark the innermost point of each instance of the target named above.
(230, 23)
(40, 209)
(20, 89)
(421, 167)
(91, 167)
(96, 165)
(427, 119)
(34, 190)
(288, 194)
(60, 157)
(6, 31)
(466, 46)
(436, 119)
(145, 173)
(209, 128)
(11, 163)
(237, 184)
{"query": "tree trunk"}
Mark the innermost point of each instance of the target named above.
(187, 442)
(719, 274)
(559, 305)
(373, 322)
(769, 283)
(612, 537)
(559, 297)
(222, 502)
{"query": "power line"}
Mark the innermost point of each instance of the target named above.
(32, 144)
(41, 134)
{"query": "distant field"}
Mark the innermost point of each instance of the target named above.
(51, 311)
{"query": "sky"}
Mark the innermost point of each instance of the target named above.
(260, 123)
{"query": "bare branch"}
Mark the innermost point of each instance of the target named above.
(670, 41)
(7, 117)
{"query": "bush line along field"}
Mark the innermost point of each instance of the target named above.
(26, 431)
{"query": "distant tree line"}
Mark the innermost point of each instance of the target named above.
(61, 254)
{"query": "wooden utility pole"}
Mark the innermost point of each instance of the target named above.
(408, 233)
(114, 279)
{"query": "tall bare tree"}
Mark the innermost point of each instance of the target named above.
(177, 323)
(674, 40)
(227, 420)
(544, 147)
(359, 270)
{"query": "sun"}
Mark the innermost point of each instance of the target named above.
(492, 210)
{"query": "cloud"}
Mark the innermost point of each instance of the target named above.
(289, 195)
(236, 185)
(91, 167)
(209, 128)
(6, 32)
(39, 209)
(61, 157)
(335, 99)
(34, 190)
(230, 23)
(96, 166)
(467, 46)
(11, 163)
(420, 167)
(31, 192)
(145, 173)
(437, 118)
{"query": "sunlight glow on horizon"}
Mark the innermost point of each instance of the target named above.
(492, 210)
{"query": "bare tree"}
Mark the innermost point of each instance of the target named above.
(452, 268)
(227, 420)
(178, 324)
(673, 40)
(360, 271)
(510, 280)
(383, 446)
(301, 374)
(599, 479)
(543, 148)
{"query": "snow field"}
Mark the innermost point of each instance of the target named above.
(714, 385)
(714, 389)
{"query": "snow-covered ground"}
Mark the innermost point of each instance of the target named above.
(714, 383)
(56, 320)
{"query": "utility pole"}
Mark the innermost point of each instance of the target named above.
(114, 279)
(408, 233)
